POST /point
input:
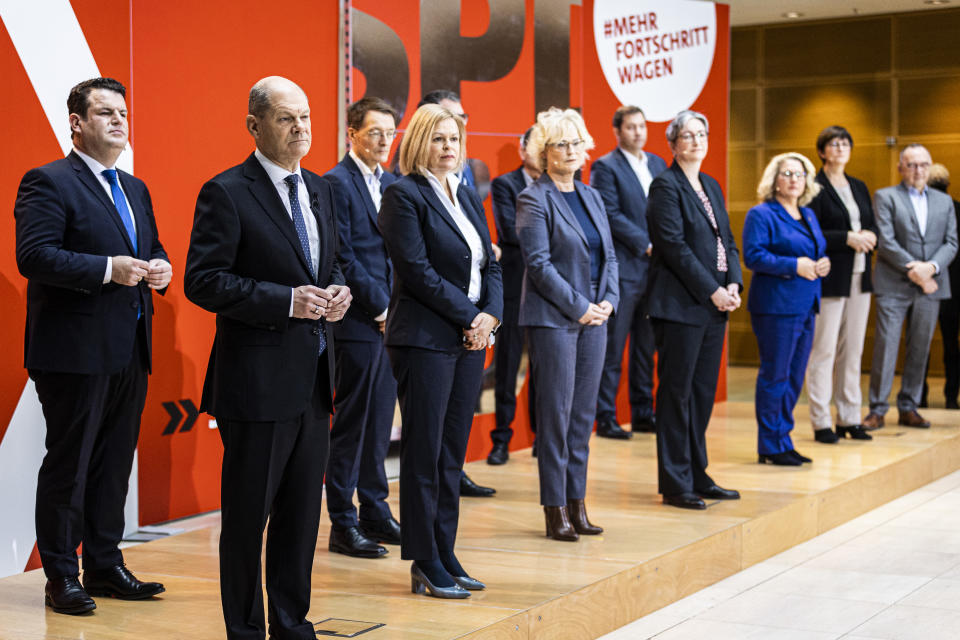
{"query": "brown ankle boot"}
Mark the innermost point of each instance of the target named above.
(578, 517)
(558, 524)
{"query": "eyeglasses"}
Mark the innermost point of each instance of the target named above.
(690, 137)
(563, 145)
(790, 175)
(377, 134)
(913, 166)
(839, 144)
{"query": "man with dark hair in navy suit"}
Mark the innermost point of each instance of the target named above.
(87, 243)
(509, 346)
(366, 392)
(623, 178)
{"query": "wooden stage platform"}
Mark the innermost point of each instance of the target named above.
(649, 555)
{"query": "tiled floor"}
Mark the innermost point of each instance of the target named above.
(893, 573)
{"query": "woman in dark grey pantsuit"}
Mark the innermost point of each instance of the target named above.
(570, 288)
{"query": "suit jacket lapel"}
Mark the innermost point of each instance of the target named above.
(266, 194)
(477, 218)
(360, 183)
(560, 204)
(628, 174)
(426, 190)
(92, 182)
(688, 190)
(833, 195)
(909, 210)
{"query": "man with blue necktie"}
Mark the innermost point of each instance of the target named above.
(87, 243)
(262, 257)
(366, 393)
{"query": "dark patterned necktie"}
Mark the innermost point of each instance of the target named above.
(296, 212)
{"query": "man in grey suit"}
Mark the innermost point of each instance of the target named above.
(917, 240)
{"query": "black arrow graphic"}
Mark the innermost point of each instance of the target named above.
(175, 416)
(192, 414)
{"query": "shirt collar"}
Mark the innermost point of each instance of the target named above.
(364, 169)
(275, 172)
(642, 158)
(915, 193)
(452, 179)
(93, 163)
(527, 178)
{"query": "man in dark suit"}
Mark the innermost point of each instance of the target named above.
(916, 241)
(509, 347)
(623, 178)
(366, 393)
(87, 243)
(262, 257)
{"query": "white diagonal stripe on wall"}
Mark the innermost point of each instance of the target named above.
(52, 69)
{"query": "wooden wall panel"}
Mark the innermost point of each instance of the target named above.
(890, 80)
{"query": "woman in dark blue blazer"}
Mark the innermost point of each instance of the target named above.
(570, 288)
(784, 247)
(447, 299)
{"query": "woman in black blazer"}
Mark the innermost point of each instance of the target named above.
(694, 282)
(844, 210)
(446, 301)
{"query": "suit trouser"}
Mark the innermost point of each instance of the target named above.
(950, 330)
(630, 319)
(919, 313)
(836, 357)
(438, 392)
(272, 470)
(688, 366)
(784, 342)
(360, 437)
(507, 355)
(567, 370)
(93, 422)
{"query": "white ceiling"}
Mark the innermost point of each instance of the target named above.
(745, 12)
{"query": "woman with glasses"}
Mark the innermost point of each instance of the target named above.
(570, 288)
(694, 282)
(785, 249)
(845, 213)
(447, 299)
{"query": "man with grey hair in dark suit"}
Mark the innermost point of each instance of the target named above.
(917, 240)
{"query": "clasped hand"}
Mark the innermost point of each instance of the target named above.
(726, 298)
(477, 337)
(597, 314)
(129, 271)
(921, 274)
(811, 269)
(312, 303)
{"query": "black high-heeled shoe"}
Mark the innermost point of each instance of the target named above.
(468, 583)
(420, 583)
(855, 432)
(799, 456)
(783, 459)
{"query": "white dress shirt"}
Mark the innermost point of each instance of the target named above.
(469, 232)
(277, 175)
(641, 168)
(919, 201)
(97, 169)
(371, 178)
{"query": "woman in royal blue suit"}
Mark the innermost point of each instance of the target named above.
(784, 247)
(447, 299)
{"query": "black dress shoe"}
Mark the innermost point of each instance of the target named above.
(118, 582)
(855, 432)
(799, 456)
(471, 489)
(65, 595)
(420, 583)
(499, 454)
(826, 436)
(645, 424)
(352, 542)
(784, 459)
(718, 493)
(386, 531)
(608, 428)
(685, 501)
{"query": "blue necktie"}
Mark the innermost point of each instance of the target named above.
(292, 181)
(121, 204)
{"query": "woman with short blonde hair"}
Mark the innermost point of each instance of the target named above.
(784, 247)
